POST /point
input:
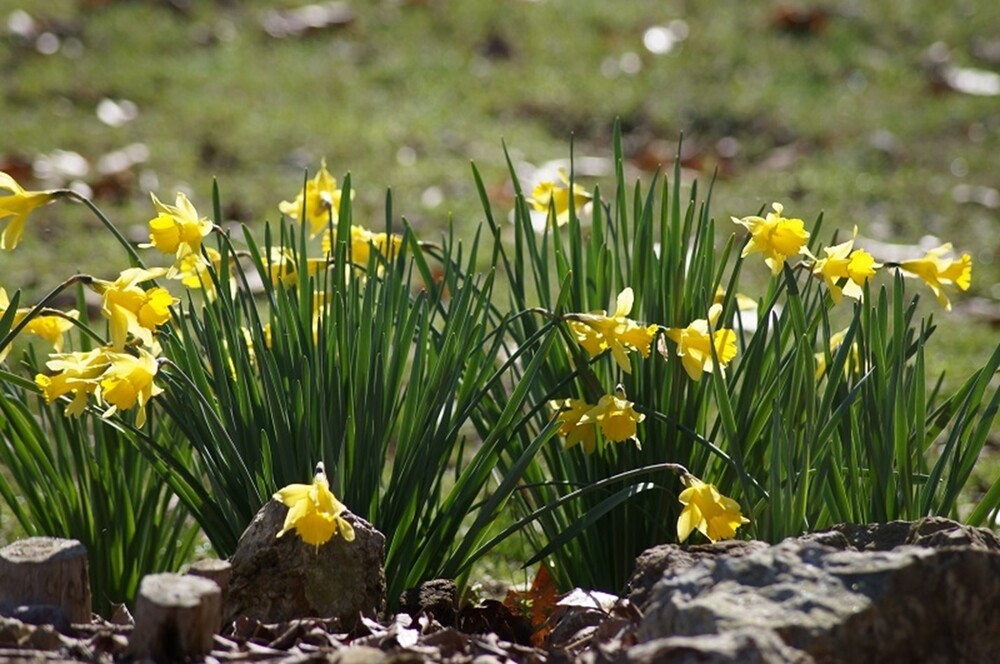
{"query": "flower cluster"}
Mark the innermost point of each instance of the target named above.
(844, 269)
(613, 414)
(598, 332)
(118, 380)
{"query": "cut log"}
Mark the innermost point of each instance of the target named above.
(176, 617)
(217, 570)
(46, 570)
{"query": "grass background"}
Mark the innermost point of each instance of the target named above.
(841, 114)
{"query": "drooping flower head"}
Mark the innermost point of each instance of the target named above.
(313, 511)
(321, 200)
(283, 267)
(77, 373)
(616, 417)
(18, 203)
(842, 262)
(706, 510)
(50, 327)
(128, 382)
(775, 236)
(694, 344)
(836, 341)
(569, 412)
(362, 242)
(177, 229)
(938, 271)
(598, 332)
(132, 310)
(555, 198)
(193, 272)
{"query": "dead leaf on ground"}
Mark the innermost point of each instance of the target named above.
(308, 20)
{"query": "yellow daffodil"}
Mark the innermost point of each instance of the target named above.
(554, 199)
(177, 229)
(18, 204)
(193, 272)
(128, 382)
(842, 262)
(706, 510)
(313, 511)
(362, 241)
(616, 417)
(50, 327)
(78, 374)
(569, 413)
(937, 271)
(598, 332)
(132, 310)
(694, 345)
(836, 341)
(775, 236)
(321, 199)
(283, 267)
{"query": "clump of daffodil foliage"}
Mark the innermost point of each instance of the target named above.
(443, 406)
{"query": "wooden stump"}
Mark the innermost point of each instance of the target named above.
(217, 570)
(46, 570)
(176, 617)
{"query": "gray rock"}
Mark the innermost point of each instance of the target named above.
(438, 597)
(911, 603)
(670, 559)
(745, 646)
(280, 579)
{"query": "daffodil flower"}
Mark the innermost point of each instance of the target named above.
(77, 373)
(313, 511)
(47, 326)
(362, 242)
(193, 272)
(694, 344)
(616, 417)
(177, 229)
(774, 236)
(128, 382)
(283, 267)
(938, 272)
(569, 412)
(321, 199)
(842, 262)
(706, 510)
(598, 332)
(19, 203)
(836, 341)
(132, 310)
(554, 199)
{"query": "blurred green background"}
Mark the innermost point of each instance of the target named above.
(880, 114)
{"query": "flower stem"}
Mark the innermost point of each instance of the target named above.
(133, 254)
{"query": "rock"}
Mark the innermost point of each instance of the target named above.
(746, 646)
(359, 655)
(931, 602)
(437, 597)
(932, 532)
(670, 559)
(176, 617)
(280, 579)
(46, 570)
